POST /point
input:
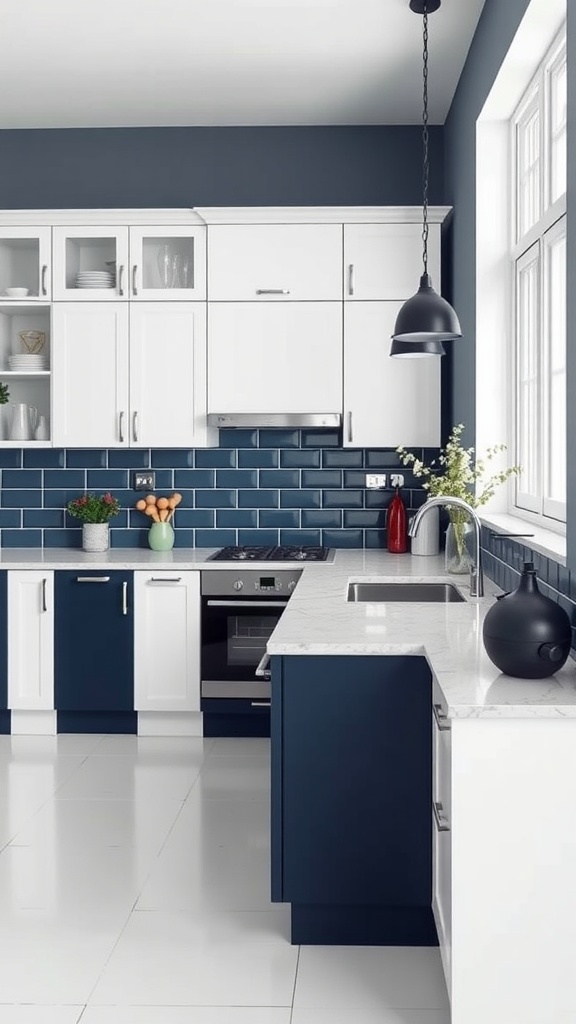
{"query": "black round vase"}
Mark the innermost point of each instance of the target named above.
(526, 634)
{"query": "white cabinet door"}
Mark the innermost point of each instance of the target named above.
(387, 402)
(30, 640)
(168, 375)
(442, 832)
(275, 262)
(90, 375)
(274, 358)
(384, 261)
(167, 263)
(90, 252)
(26, 263)
(167, 641)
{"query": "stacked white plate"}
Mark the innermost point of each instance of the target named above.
(94, 279)
(27, 362)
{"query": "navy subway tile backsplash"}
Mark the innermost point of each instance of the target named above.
(258, 487)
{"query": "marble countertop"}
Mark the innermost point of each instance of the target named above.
(319, 620)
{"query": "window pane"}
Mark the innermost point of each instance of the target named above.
(556, 320)
(528, 440)
(558, 109)
(529, 162)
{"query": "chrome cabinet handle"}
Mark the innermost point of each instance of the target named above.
(135, 426)
(134, 279)
(125, 598)
(169, 579)
(272, 291)
(260, 703)
(121, 279)
(351, 279)
(121, 427)
(44, 604)
(441, 719)
(43, 285)
(350, 430)
(261, 670)
(247, 604)
(92, 579)
(441, 820)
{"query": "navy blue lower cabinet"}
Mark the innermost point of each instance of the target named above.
(94, 651)
(351, 798)
(4, 713)
(235, 717)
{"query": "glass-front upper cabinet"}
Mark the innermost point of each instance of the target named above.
(25, 374)
(168, 262)
(25, 264)
(90, 263)
(136, 263)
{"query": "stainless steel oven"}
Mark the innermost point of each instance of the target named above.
(240, 610)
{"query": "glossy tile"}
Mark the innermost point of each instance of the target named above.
(29, 1014)
(43, 458)
(180, 1015)
(369, 1015)
(258, 458)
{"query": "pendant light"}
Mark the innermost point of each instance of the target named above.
(426, 319)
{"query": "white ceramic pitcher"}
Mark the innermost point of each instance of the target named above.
(23, 423)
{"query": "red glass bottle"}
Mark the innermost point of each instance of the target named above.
(397, 525)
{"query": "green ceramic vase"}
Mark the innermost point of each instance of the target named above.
(161, 537)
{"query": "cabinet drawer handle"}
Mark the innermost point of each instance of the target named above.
(441, 719)
(262, 670)
(121, 428)
(442, 824)
(169, 579)
(272, 291)
(135, 426)
(44, 604)
(92, 579)
(260, 703)
(351, 279)
(121, 279)
(44, 272)
(135, 279)
(125, 598)
(350, 430)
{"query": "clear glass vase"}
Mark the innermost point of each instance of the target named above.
(459, 556)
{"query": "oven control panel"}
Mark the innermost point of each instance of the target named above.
(248, 583)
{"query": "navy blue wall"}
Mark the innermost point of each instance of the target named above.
(183, 167)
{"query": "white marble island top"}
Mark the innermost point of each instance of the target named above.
(320, 621)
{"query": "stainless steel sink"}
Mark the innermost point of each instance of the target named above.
(437, 592)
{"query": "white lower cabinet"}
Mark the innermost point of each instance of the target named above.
(442, 831)
(167, 641)
(387, 402)
(30, 644)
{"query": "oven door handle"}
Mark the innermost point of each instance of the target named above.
(262, 669)
(247, 604)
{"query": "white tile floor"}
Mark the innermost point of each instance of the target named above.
(134, 889)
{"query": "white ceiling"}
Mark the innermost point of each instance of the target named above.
(113, 63)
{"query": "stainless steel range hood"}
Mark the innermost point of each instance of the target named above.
(273, 419)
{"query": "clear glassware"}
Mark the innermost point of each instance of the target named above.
(176, 268)
(164, 261)
(186, 272)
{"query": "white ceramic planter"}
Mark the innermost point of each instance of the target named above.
(95, 537)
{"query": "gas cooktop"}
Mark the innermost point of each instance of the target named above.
(282, 553)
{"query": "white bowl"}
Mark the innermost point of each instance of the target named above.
(17, 293)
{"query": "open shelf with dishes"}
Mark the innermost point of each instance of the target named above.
(25, 369)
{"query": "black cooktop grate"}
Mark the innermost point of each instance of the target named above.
(279, 553)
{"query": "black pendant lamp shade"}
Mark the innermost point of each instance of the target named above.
(426, 319)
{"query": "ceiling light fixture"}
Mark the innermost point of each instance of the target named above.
(426, 319)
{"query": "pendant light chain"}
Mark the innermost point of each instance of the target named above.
(425, 162)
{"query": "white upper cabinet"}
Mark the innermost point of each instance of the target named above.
(25, 264)
(274, 262)
(133, 379)
(108, 263)
(90, 360)
(275, 357)
(384, 261)
(387, 402)
(25, 367)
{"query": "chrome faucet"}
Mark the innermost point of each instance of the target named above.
(476, 574)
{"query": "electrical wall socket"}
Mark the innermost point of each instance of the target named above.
(397, 480)
(144, 481)
(374, 481)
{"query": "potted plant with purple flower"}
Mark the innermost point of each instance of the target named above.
(95, 512)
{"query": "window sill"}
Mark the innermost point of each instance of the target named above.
(545, 542)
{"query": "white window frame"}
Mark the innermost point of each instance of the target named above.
(535, 244)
